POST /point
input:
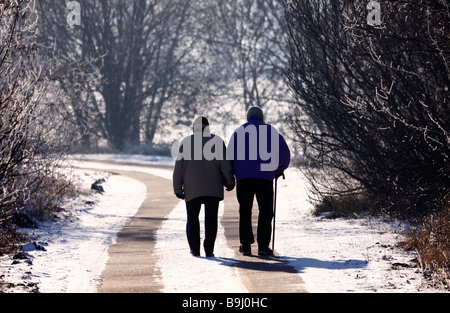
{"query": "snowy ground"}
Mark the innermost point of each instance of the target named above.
(330, 255)
(341, 255)
(76, 244)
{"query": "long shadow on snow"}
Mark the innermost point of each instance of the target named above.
(287, 264)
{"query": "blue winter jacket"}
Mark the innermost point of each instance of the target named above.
(258, 151)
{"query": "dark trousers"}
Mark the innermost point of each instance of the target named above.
(193, 223)
(246, 190)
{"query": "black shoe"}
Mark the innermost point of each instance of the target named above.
(245, 249)
(210, 255)
(195, 253)
(265, 251)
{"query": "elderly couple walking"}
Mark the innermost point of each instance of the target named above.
(256, 155)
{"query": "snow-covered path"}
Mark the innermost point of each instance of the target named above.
(179, 271)
(329, 255)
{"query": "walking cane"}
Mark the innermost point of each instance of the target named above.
(275, 210)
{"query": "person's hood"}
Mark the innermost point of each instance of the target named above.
(255, 113)
(199, 124)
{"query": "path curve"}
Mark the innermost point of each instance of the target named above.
(132, 263)
(131, 266)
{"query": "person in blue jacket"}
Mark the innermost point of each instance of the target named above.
(259, 154)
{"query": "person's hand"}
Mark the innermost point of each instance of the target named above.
(180, 195)
(230, 187)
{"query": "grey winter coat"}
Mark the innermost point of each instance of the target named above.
(201, 168)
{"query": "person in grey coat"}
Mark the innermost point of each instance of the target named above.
(200, 174)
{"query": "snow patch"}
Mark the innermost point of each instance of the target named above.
(341, 255)
(75, 251)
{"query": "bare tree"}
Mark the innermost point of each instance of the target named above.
(139, 53)
(376, 97)
(28, 144)
(15, 106)
(146, 65)
(249, 40)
